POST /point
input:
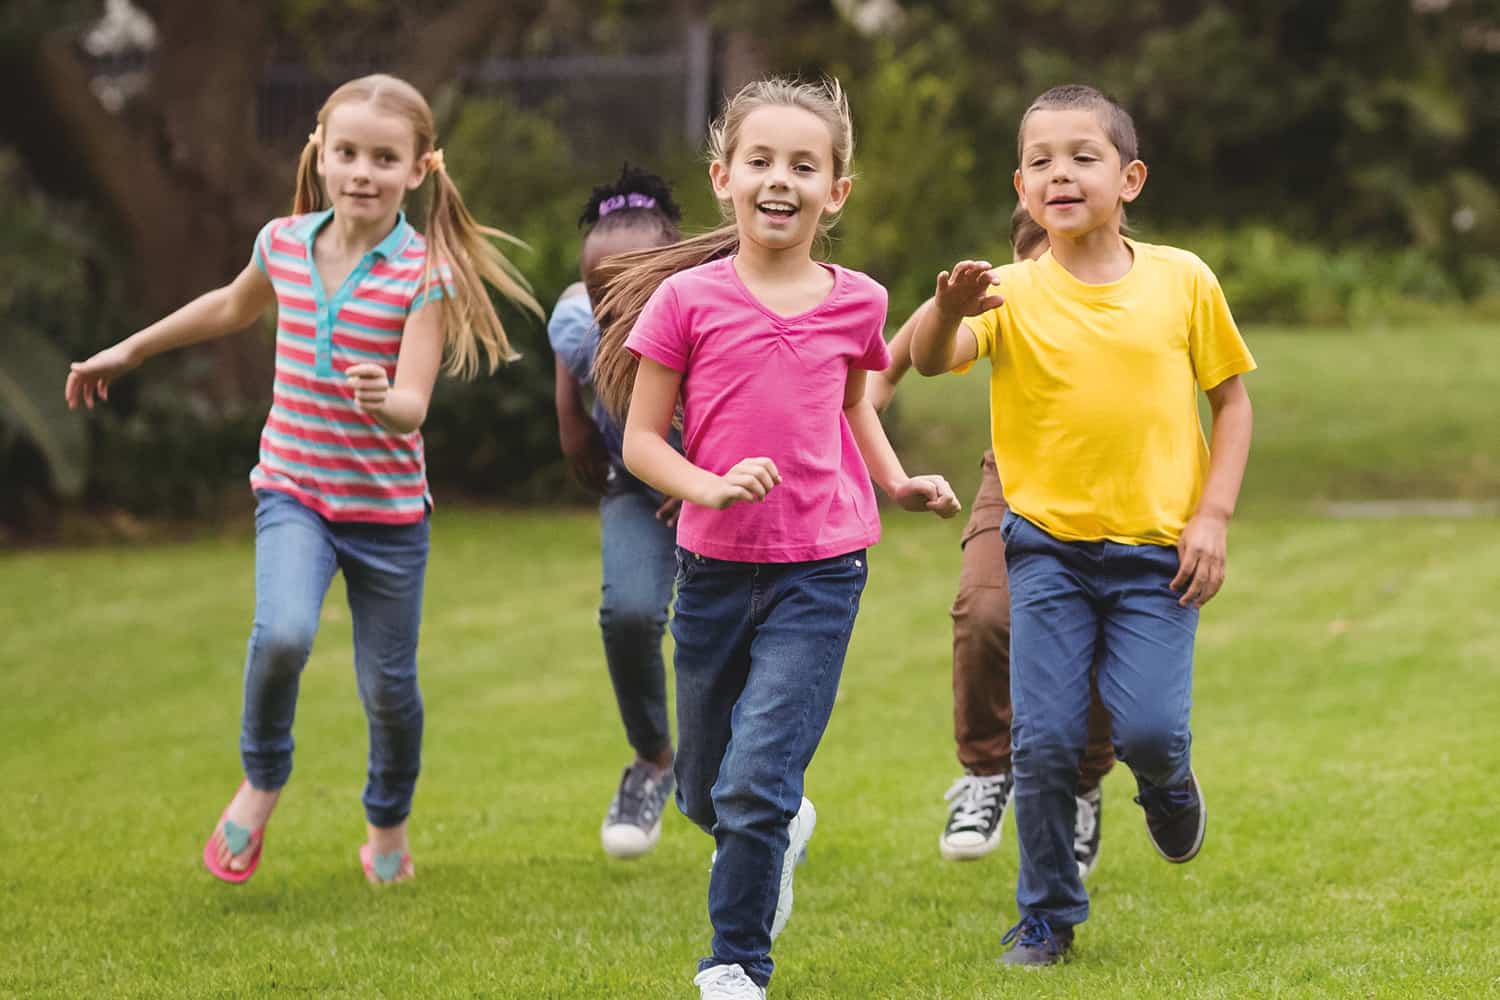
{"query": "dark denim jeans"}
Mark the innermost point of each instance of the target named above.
(1074, 605)
(297, 552)
(639, 565)
(760, 647)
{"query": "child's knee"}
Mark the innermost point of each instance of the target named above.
(392, 700)
(283, 644)
(1153, 747)
(624, 618)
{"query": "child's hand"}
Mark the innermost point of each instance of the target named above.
(964, 290)
(85, 378)
(748, 482)
(370, 386)
(669, 512)
(932, 493)
(1201, 554)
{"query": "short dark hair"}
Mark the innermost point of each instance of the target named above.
(1114, 119)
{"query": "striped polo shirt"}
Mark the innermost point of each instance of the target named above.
(317, 445)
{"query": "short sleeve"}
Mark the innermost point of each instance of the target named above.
(261, 255)
(876, 356)
(986, 330)
(1215, 346)
(660, 333)
(438, 285)
(574, 335)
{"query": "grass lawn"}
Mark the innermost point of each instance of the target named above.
(1344, 735)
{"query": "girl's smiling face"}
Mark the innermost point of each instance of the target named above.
(779, 177)
(1071, 178)
(368, 162)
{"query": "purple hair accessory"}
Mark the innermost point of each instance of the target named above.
(619, 201)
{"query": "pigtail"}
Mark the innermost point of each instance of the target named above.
(630, 279)
(309, 196)
(458, 242)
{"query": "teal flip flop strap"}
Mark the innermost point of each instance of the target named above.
(236, 837)
(388, 866)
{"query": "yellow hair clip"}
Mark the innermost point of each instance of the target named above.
(435, 161)
(316, 135)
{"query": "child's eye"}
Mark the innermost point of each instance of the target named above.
(806, 168)
(757, 161)
(1040, 161)
(1085, 158)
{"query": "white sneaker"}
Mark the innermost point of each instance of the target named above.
(799, 832)
(727, 982)
(1088, 822)
(633, 824)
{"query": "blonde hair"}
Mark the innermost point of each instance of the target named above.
(631, 278)
(470, 325)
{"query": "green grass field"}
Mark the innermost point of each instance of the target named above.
(1344, 734)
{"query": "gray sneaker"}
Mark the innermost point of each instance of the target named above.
(633, 824)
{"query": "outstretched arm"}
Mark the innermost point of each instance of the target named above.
(209, 316)
(881, 386)
(940, 342)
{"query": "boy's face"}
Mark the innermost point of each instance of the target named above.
(1071, 178)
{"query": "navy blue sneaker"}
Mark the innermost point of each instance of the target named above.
(1034, 942)
(1176, 818)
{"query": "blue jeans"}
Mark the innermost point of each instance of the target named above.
(1072, 605)
(639, 566)
(297, 552)
(760, 647)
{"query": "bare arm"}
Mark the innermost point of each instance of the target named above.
(1203, 547)
(940, 341)
(579, 438)
(651, 459)
(211, 315)
(912, 493)
(401, 408)
(881, 386)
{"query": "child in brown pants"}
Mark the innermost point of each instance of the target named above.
(981, 651)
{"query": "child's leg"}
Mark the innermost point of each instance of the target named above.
(1146, 670)
(294, 563)
(804, 617)
(639, 566)
(981, 636)
(384, 570)
(1054, 629)
(712, 629)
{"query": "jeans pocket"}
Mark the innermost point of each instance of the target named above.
(687, 565)
(1008, 526)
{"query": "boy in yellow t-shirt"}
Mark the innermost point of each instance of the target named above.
(1119, 509)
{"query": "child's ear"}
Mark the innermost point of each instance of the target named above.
(1135, 180)
(718, 175)
(838, 195)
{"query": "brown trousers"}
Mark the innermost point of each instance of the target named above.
(981, 650)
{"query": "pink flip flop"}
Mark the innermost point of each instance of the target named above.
(385, 869)
(238, 839)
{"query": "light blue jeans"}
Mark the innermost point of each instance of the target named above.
(1074, 604)
(638, 555)
(297, 551)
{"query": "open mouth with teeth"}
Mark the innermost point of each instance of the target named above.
(778, 210)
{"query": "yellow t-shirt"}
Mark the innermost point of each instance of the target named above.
(1093, 392)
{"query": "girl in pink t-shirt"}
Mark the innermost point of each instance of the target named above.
(766, 350)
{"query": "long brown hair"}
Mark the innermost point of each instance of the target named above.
(454, 237)
(631, 278)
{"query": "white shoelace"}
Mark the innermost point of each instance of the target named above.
(726, 982)
(974, 800)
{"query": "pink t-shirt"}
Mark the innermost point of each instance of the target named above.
(755, 383)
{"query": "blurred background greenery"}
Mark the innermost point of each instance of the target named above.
(1336, 161)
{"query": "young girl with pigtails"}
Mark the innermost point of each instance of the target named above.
(766, 350)
(367, 307)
